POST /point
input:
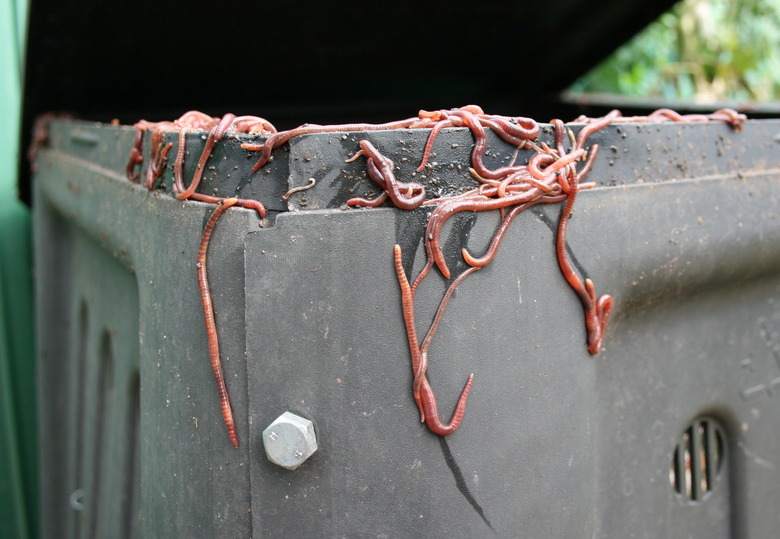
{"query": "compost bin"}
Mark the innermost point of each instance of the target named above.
(669, 429)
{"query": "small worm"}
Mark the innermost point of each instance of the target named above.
(158, 155)
(406, 196)
(312, 183)
(136, 156)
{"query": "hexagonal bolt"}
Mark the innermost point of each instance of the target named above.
(289, 440)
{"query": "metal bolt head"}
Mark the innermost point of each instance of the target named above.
(289, 440)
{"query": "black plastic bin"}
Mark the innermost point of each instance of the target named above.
(672, 431)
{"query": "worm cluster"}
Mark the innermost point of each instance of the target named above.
(554, 174)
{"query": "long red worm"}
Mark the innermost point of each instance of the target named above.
(498, 235)
(407, 308)
(277, 139)
(729, 116)
(426, 343)
(596, 311)
(215, 135)
(208, 317)
(423, 393)
(507, 127)
(218, 128)
(513, 130)
(178, 179)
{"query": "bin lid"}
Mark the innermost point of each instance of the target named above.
(128, 59)
(326, 62)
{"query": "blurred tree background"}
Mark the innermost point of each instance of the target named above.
(703, 51)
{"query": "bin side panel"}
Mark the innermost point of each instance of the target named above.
(153, 242)
(88, 313)
(326, 340)
(539, 415)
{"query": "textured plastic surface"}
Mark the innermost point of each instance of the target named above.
(683, 232)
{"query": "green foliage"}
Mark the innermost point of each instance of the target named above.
(700, 50)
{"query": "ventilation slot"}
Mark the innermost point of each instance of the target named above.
(77, 491)
(130, 507)
(103, 413)
(697, 460)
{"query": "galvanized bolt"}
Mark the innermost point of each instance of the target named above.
(289, 440)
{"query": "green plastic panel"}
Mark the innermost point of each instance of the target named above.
(18, 454)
